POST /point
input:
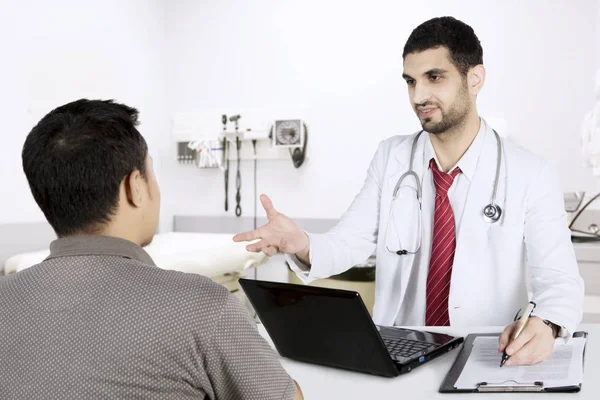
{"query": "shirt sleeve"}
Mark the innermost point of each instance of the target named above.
(240, 364)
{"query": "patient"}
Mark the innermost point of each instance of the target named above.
(97, 319)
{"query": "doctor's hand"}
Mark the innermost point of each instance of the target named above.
(280, 234)
(534, 345)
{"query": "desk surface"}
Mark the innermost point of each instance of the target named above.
(318, 382)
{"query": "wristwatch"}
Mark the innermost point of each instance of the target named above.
(555, 328)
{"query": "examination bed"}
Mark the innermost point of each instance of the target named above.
(208, 254)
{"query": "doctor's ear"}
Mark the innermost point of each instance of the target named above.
(133, 188)
(476, 79)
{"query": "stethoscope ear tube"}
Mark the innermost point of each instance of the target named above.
(492, 212)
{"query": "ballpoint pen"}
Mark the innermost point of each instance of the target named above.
(518, 329)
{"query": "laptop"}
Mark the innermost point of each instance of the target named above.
(333, 327)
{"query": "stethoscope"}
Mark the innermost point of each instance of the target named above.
(491, 212)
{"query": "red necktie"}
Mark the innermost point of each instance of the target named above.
(443, 245)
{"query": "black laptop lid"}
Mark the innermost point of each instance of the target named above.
(319, 325)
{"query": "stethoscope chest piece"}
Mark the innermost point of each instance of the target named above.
(492, 213)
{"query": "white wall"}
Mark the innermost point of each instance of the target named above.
(59, 51)
(338, 64)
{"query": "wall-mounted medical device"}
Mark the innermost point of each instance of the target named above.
(279, 139)
(292, 134)
(185, 154)
(214, 151)
(288, 133)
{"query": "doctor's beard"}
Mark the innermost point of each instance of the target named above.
(453, 118)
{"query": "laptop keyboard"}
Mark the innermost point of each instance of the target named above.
(404, 347)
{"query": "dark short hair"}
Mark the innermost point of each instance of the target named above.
(459, 38)
(75, 159)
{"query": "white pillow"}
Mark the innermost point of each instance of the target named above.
(208, 254)
(22, 261)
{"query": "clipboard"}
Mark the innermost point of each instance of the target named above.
(448, 386)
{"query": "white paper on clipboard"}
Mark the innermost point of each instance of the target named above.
(563, 368)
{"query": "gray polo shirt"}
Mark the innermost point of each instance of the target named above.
(98, 320)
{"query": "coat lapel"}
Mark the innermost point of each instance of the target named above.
(400, 278)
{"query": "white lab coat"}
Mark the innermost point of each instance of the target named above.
(488, 283)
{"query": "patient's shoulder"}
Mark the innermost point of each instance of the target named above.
(191, 301)
(185, 287)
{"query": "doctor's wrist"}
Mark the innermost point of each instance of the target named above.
(303, 255)
(555, 328)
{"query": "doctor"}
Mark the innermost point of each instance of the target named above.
(458, 217)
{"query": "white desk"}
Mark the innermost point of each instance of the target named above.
(318, 382)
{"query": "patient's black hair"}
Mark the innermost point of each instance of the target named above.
(459, 38)
(75, 159)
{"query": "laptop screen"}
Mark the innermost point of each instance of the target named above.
(324, 326)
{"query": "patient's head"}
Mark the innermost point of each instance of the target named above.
(89, 171)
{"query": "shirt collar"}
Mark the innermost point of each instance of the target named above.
(98, 245)
(468, 162)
